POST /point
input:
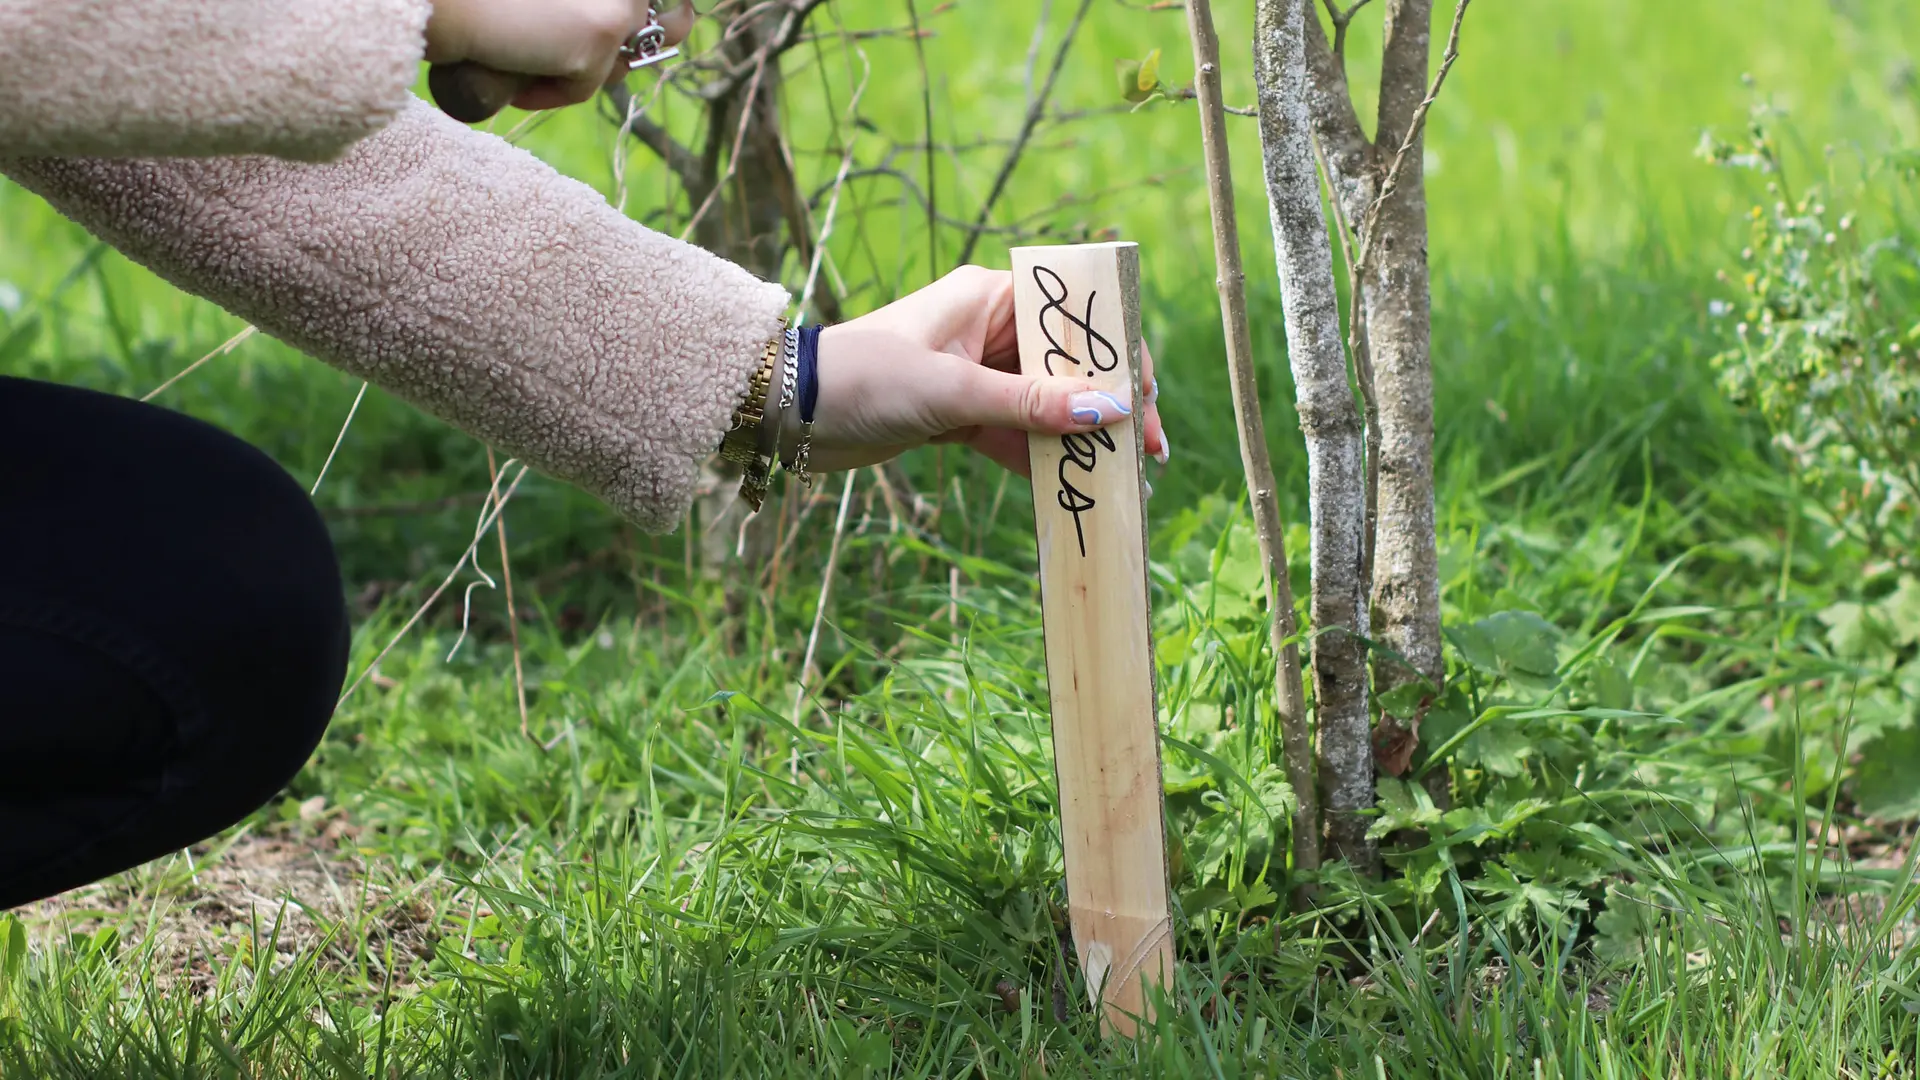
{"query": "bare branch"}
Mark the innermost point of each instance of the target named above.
(926, 108)
(1344, 146)
(684, 163)
(1189, 93)
(786, 37)
(1036, 110)
(1016, 229)
(1414, 125)
(1289, 694)
(1341, 20)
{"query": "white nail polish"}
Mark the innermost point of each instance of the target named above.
(1166, 449)
(1094, 406)
(1148, 484)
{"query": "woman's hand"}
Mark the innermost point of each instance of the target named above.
(942, 365)
(572, 46)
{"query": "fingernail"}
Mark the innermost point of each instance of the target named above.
(1166, 449)
(1153, 390)
(1149, 486)
(1094, 406)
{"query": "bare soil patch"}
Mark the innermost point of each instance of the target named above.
(287, 890)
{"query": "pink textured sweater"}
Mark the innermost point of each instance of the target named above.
(268, 155)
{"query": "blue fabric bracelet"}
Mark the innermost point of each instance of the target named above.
(809, 371)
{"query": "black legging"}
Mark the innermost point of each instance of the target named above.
(173, 634)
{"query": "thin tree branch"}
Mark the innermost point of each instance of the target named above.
(1288, 692)
(1036, 110)
(1391, 179)
(783, 39)
(496, 503)
(513, 613)
(1342, 18)
(926, 108)
(1017, 227)
(807, 672)
(685, 164)
(1344, 146)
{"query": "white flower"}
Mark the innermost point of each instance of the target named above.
(1719, 309)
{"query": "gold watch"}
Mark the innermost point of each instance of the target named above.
(743, 442)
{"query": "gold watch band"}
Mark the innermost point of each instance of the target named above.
(743, 444)
(742, 441)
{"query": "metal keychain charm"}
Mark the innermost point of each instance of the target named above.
(648, 45)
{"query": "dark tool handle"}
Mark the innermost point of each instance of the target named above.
(471, 92)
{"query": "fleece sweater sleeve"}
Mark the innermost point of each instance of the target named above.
(467, 277)
(301, 79)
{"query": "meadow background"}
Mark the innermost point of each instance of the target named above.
(676, 871)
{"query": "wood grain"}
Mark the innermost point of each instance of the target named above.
(1078, 310)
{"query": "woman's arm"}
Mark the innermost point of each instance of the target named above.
(467, 277)
(300, 79)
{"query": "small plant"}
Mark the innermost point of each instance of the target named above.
(1828, 323)
(1824, 345)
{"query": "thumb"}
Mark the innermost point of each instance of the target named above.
(1046, 404)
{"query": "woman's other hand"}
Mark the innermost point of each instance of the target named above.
(942, 365)
(571, 47)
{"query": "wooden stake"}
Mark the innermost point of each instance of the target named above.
(1078, 309)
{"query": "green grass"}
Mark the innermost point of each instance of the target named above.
(687, 877)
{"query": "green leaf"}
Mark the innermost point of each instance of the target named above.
(1610, 685)
(1850, 629)
(1206, 899)
(1515, 899)
(1902, 611)
(1257, 895)
(1887, 784)
(1149, 74)
(1622, 924)
(1128, 72)
(1500, 748)
(1402, 806)
(1404, 700)
(1516, 645)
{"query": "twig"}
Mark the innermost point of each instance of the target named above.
(1019, 228)
(1033, 48)
(783, 39)
(1341, 19)
(839, 182)
(513, 613)
(338, 439)
(807, 506)
(1188, 93)
(223, 349)
(487, 519)
(733, 158)
(826, 593)
(683, 162)
(926, 106)
(1036, 110)
(1262, 489)
(1392, 176)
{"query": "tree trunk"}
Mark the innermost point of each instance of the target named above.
(1328, 419)
(1406, 586)
(1288, 695)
